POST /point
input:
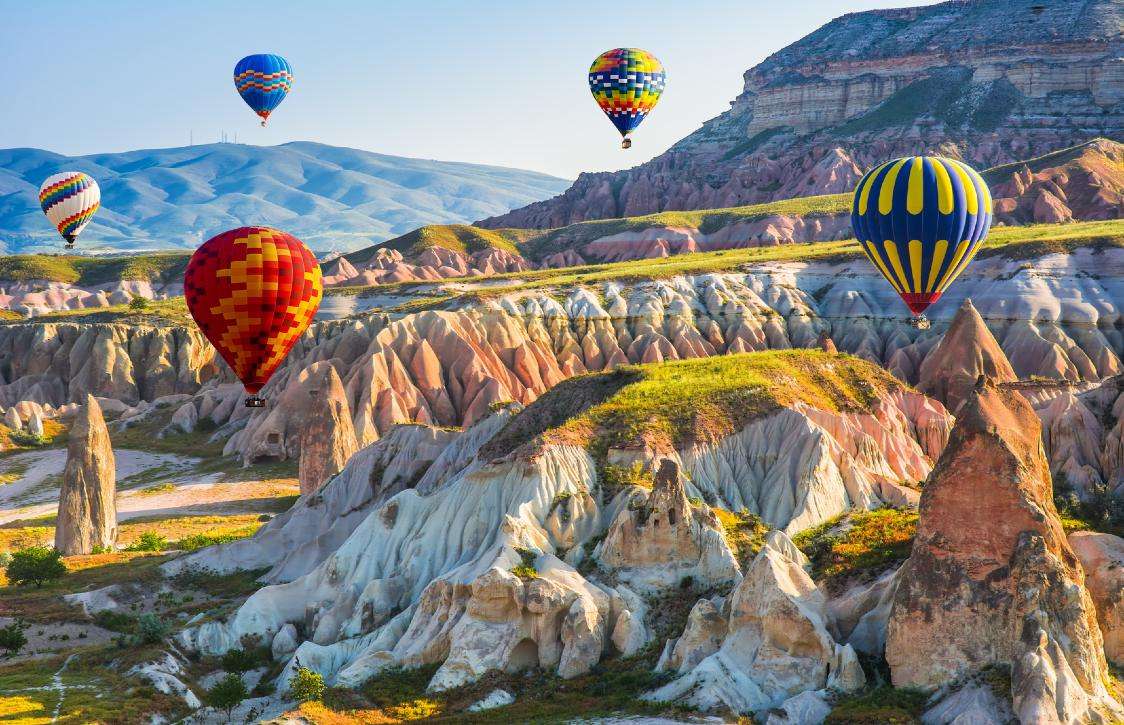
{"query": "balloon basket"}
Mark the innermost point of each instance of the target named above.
(69, 245)
(255, 401)
(626, 143)
(919, 322)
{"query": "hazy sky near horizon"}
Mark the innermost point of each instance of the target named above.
(499, 82)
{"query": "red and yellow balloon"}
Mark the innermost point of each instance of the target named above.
(253, 291)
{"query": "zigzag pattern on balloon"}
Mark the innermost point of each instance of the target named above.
(920, 221)
(62, 190)
(72, 224)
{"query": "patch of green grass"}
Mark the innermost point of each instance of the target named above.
(88, 271)
(726, 393)
(880, 706)
(858, 546)
(462, 238)
(525, 569)
(745, 533)
(158, 313)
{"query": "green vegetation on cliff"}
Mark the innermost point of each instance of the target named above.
(90, 271)
(645, 403)
(462, 238)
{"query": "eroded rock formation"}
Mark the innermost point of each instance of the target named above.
(966, 351)
(328, 438)
(991, 579)
(87, 516)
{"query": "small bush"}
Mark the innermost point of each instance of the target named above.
(526, 567)
(138, 303)
(12, 638)
(241, 660)
(307, 685)
(882, 705)
(116, 621)
(227, 693)
(151, 629)
(27, 440)
(860, 547)
(35, 565)
(148, 541)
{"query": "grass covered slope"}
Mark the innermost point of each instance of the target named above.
(89, 271)
(644, 404)
(462, 238)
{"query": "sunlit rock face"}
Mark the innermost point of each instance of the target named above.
(87, 516)
(992, 579)
(991, 82)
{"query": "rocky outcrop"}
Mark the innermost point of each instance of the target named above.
(991, 578)
(777, 644)
(660, 542)
(38, 297)
(876, 85)
(385, 265)
(87, 516)
(966, 352)
(1082, 183)
(1102, 558)
(328, 438)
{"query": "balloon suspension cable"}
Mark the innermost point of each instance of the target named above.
(920, 322)
(255, 401)
(626, 143)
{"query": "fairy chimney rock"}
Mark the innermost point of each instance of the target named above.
(328, 439)
(87, 516)
(967, 352)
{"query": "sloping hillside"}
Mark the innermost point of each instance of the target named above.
(990, 81)
(332, 198)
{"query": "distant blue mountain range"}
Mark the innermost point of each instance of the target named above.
(332, 198)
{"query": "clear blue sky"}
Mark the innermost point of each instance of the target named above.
(489, 81)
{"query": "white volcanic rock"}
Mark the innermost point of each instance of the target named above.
(777, 645)
(656, 544)
(703, 635)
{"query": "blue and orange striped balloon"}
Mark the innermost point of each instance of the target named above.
(921, 220)
(263, 80)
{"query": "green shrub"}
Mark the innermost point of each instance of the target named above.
(242, 660)
(116, 621)
(35, 565)
(151, 629)
(526, 567)
(138, 303)
(882, 706)
(12, 639)
(227, 693)
(148, 541)
(307, 685)
(27, 440)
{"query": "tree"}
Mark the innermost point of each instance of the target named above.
(227, 693)
(35, 565)
(138, 303)
(307, 685)
(12, 638)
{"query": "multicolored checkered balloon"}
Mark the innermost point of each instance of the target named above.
(626, 83)
(253, 291)
(70, 200)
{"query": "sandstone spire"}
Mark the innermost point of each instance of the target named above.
(991, 578)
(87, 515)
(967, 351)
(328, 438)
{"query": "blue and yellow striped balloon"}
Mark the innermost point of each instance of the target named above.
(921, 220)
(263, 80)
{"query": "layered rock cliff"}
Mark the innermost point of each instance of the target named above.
(990, 81)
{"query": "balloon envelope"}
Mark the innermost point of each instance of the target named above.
(920, 220)
(263, 80)
(70, 199)
(253, 292)
(626, 83)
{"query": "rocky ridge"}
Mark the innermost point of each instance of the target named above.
(876, 85)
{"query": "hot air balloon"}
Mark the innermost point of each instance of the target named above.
(263, 80)
(253, 292)
(626, 83)
(70, 199)
(921, 220)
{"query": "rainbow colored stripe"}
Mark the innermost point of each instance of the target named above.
(920, 220)
(263, 80)
(627, 83)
